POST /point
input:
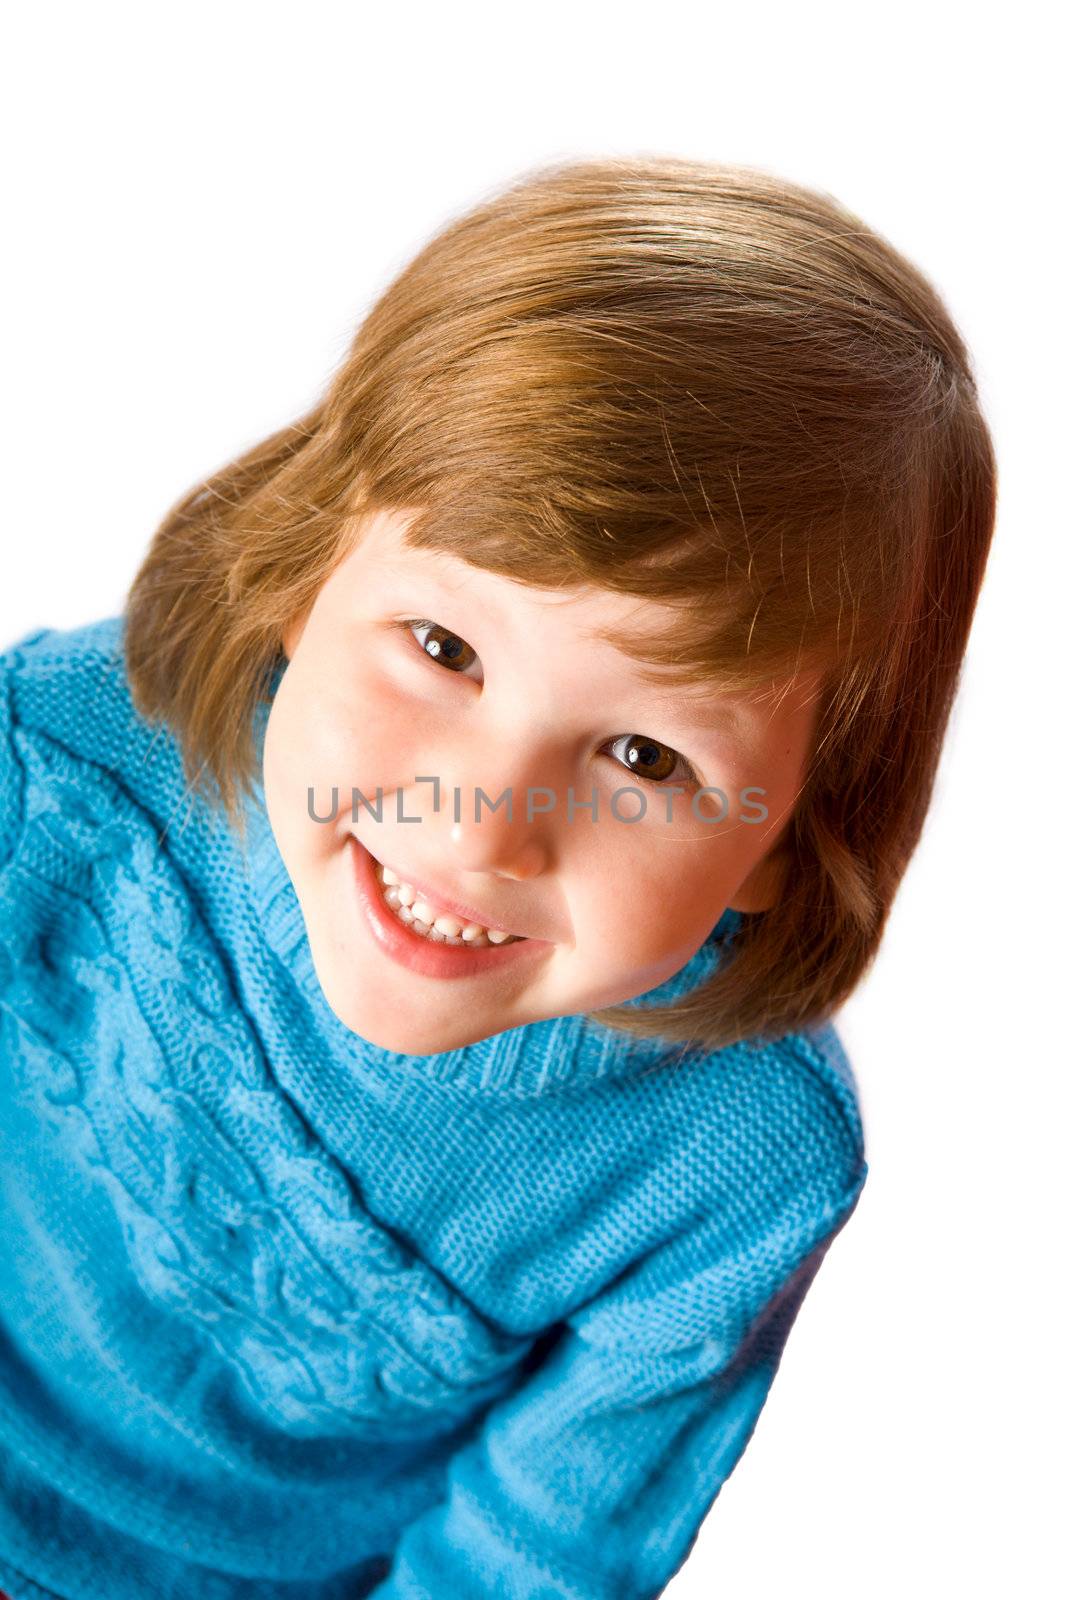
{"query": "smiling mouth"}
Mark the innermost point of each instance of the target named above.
(419, 915)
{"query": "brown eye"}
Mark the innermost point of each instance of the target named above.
(448, 648)
(648, 759)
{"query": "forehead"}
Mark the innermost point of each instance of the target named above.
(605, 618)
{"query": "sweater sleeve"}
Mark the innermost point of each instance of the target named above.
(591, 1481)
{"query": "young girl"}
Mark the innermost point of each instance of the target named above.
(423, 911)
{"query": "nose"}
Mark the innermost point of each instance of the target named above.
(506, 829)
(496, 852)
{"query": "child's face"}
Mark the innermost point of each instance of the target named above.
(515, 698)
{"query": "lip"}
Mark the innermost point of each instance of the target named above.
(424, 956)
(441, 902)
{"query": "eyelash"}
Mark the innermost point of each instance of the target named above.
(686, 775)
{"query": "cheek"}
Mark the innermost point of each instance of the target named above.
(325, 734)
(641, 913)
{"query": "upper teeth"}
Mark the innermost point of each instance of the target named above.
(445, 923)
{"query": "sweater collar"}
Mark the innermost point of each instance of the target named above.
(533, 1058)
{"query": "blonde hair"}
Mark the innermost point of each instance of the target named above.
(697, 383)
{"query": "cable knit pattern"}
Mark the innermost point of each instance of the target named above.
(285, 1313)
(234, 1215)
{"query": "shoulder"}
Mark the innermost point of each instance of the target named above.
(67, 716)
(756, 1138)
(19, 662)
(69, 684)
(777, 1131)
(797, 1119)
(783, 1110)
(828, 1079)
(773, 1104)
(775, 1168)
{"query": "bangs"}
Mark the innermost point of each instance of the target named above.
(761, 472)
(752, 605)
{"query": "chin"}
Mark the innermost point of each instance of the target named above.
(360, 1010)
(403, 1035)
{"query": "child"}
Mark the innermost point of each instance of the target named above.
(406, 1194)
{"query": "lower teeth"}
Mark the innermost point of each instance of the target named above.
(482, 942)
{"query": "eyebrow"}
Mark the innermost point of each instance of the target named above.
(702, 723)
(718, 722)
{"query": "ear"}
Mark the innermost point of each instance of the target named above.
(765, 884)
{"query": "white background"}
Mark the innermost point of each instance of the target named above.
(202, 201)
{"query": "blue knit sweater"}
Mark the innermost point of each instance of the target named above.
(285, 1315)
